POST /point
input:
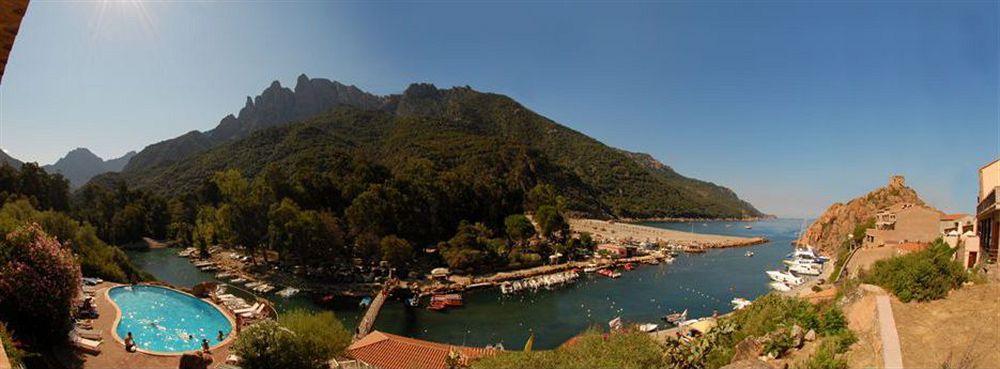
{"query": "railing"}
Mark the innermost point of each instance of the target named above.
(988, 203)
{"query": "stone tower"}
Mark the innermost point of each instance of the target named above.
(897, 181)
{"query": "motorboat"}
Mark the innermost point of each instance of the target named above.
(806, 269)
(784, 277)
(739, 303)
(748, 227)
(288, 292)
(749, 254)
(629, 266)
(676, 317)
(648, 327)
(779, 286)
(609, 273)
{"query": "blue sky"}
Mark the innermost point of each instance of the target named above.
(794, 105)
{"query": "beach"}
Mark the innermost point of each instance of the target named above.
(619, 232)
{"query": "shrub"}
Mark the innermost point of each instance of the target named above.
(297, 340)
(922, 276)
(39, 278)
(825, 356)
(321, 333)
(593, 349)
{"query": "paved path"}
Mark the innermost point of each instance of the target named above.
(892, 354)
(368, 322)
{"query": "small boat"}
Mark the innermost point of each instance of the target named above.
(609, 273)
(652, 261)
(694, 249)
(365, 302)
(749, 254)
(687, 322)
(676, 317)
(413, 301)
(739, 303)
(629, 266)
(648, 327)
(748, 227)
(288, 292)
(779, 286)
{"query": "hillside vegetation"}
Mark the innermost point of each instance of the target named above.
(475, 137)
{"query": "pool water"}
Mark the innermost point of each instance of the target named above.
(164, 320)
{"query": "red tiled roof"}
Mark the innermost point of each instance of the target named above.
(389, 351)
(953, 216)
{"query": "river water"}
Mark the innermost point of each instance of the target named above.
(701, 283)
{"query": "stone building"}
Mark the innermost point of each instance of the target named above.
(904, 223)
(988, 211)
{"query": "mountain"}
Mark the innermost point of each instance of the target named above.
(4, 158)
(275, 106)
(478, 137)
(828, 231)
(80, 165)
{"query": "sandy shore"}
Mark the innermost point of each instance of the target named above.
(605, 230)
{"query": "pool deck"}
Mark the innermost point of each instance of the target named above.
(113, 354)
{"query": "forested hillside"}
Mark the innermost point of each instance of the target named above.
(484, 140)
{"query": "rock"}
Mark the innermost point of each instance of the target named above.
(839, 220)
(797, 334)
(810, 336)
(749, 348)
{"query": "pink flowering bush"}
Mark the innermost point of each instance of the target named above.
(39, 278)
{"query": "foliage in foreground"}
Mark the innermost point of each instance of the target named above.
(922, 276)
(38, 280)
(297, 340)
(14, 354)
(592, 350)
(96, 258)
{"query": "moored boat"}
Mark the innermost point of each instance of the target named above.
(609, 273)
(784, 277)
(779, 286)
(676, 317)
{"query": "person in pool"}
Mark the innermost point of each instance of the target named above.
(221, 336)
(129, 343)
(204, 346)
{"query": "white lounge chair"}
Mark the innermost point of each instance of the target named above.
(247, 310)
(88, 334)
(87, 345)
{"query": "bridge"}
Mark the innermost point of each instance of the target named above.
(368, 321)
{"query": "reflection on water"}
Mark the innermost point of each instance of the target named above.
(701, 283)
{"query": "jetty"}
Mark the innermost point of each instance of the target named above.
(623, 232)
(368, 321)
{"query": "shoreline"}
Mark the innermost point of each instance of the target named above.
(629, 232)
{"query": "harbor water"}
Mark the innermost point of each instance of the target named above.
(701, 283)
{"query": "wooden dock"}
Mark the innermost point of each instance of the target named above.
(368, 321)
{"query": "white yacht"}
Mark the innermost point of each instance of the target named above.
(779, 286)
(786, 277)
(806, 269)
(739, 303)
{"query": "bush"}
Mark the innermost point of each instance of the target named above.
(921, 276)
(321, 333)
(297, 340)
(593, 349)
(39, 278)
(826, 356)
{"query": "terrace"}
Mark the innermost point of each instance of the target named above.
(111, 353)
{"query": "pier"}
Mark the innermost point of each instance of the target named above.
(368, 321)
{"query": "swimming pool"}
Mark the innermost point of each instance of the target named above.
(163, 320)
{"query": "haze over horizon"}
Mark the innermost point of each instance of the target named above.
(723, 92)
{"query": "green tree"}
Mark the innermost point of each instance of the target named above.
(519, 228)
(551, 222)
(397, 251)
